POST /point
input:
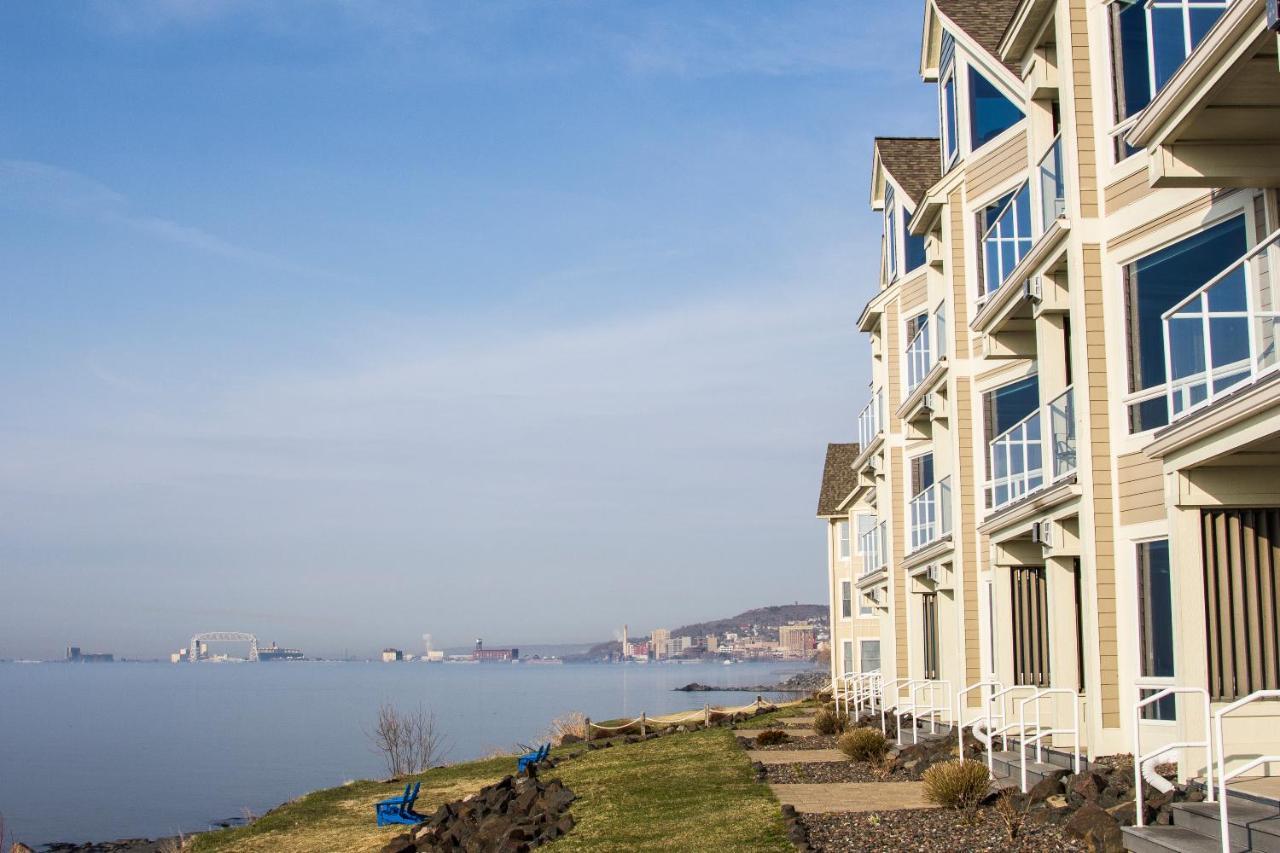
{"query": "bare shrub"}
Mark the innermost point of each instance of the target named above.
(1010, 814)
(959, 784)
(772, 737)
(573, 723)
(828, 722)
(864, 744)
(409, 741)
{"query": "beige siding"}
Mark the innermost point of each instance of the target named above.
(915, 294)
(897, 578)
(1193, 207)
(959, 288)
(1010, 159)
(1082, 84)
(1140, 489)
(1099, 462)
(967, 562)
(1127, 191)
(893, 357)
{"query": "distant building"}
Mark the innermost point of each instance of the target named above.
(658, 641)
(74, 655)
(796, 640)
(484, 655)
(434, 656)
(713, 645)
(392, 655)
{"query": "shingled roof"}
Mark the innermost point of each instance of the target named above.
(984, 20)
(915, 163)
(838, 478)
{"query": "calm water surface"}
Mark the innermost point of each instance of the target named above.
(154, 749)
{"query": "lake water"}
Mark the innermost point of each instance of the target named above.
(93, 752)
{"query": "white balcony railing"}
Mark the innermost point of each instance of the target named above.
(873, 544)
(870, 422)
(1018, 456)
(931, 514)
(1224, 334)
(919, 358)
(1053, 185)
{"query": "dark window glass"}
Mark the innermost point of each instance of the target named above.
(1155, 284)
(990, 113)
(1133, 80)
(915, 245)
(1155, 622)
(1012, 403)
(949, 116)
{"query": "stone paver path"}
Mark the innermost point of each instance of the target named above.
(796, 756)
(852, 796)
(797, 721)
(754, 733)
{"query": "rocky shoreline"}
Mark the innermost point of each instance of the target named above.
(801, 682)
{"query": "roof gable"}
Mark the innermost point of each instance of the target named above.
(915, 163)
(838, 479)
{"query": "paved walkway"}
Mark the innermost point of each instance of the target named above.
(852, 796)
(797, 721)
(754, 733)
(796, 756)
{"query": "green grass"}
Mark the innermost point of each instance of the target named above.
(770, 719)
(692, 791)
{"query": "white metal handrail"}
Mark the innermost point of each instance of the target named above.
(840, 689)
(884, 704)
(1224, 334)
(1224, 775)
(900, 710)
(960, 694)
(919, 357)
(869, 421)
(1041, 733)
(933, 708)
(1005, 726)
(1144, 763)
(1017, 461)
(1005, 236)
(930, 513)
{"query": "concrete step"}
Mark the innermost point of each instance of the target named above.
(1252, 826)
(1161, 839)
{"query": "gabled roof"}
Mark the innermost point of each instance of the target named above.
(914, 162)
(984, 21)
(838, 479)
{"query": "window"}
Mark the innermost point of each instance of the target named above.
(1006, 236)
(1155, 622)
(846, 649)
(869, 651)
(947, 64)
(1153, 285)
(1004, 407)
(866, 523)
(990, 112)
(842, 539)
(915, 245)
(890, 234)
(929, 629)
(1149, 42)
(921, 473)
(846, 599)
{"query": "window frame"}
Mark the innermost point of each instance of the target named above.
(847, 662)
(843, 532)
(862, 641)
(1152, 683)
(948, 110)
(891, 233)
(846, 599)
(1010, 198)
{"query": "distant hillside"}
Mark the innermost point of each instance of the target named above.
(761, 617)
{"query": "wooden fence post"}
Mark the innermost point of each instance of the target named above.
(643, 725)
(588, 738)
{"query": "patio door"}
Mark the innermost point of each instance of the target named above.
(1241, 588)
(1029, 607)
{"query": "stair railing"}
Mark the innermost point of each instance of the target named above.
(960, 694)
(884, 704)
(1144, 763)
(1040, 732)
(1004, 696)
(1224, 775)
(933, 708)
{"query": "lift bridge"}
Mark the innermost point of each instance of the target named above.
(193, 651)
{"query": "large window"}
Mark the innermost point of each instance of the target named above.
(846, 599)
(1149, 42)
(1155, 284)
(990, 112)
(842, 539)
(1155, 621)
(1004, 407)
(866, 523)
(1006, 236)
(869, 651)
(947, 94)
(846, 665)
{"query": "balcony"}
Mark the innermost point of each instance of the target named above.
(1020, 463)
(871, 420)
(930, 513)
(1053, 186)
(919, 358)
(873, 546)
(1223, 336)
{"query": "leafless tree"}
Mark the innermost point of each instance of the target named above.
(409, 741)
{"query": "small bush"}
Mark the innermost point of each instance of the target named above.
(772, 737)
(828, 722)
(864, 744)
(956, 784)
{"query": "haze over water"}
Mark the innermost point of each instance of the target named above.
(154, 749)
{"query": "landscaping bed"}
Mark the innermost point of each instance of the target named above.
(931, 830)
(827, 771)
(809, 742)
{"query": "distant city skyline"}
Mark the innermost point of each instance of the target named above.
(339, 323)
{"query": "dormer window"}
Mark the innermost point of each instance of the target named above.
(990, 112)
(891, 233)
(950, 123)
(902, 251)
(1150, 39)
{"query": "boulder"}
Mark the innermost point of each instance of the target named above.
(569, 738)
(1098, 830)
(399, 844)
(1044, 789)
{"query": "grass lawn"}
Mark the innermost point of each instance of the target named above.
(691, 791)
(770, 719)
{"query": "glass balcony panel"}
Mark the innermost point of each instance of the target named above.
(992, 266)
(1053, 187)
(1062, 434)
(1265, 340)
(1017, 461)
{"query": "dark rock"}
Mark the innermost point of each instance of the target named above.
(569, 738)
(1098, 830)
(1124, 813)
(399, 844)
(1044, 789)
(1088, 786)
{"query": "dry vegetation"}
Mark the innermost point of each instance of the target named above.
(409, 741)
(957, 784)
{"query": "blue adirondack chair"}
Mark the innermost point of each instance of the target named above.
(400, 809)
(535, 757)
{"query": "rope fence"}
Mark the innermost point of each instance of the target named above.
(707, 716)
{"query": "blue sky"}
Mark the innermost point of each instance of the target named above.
(537, 314)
